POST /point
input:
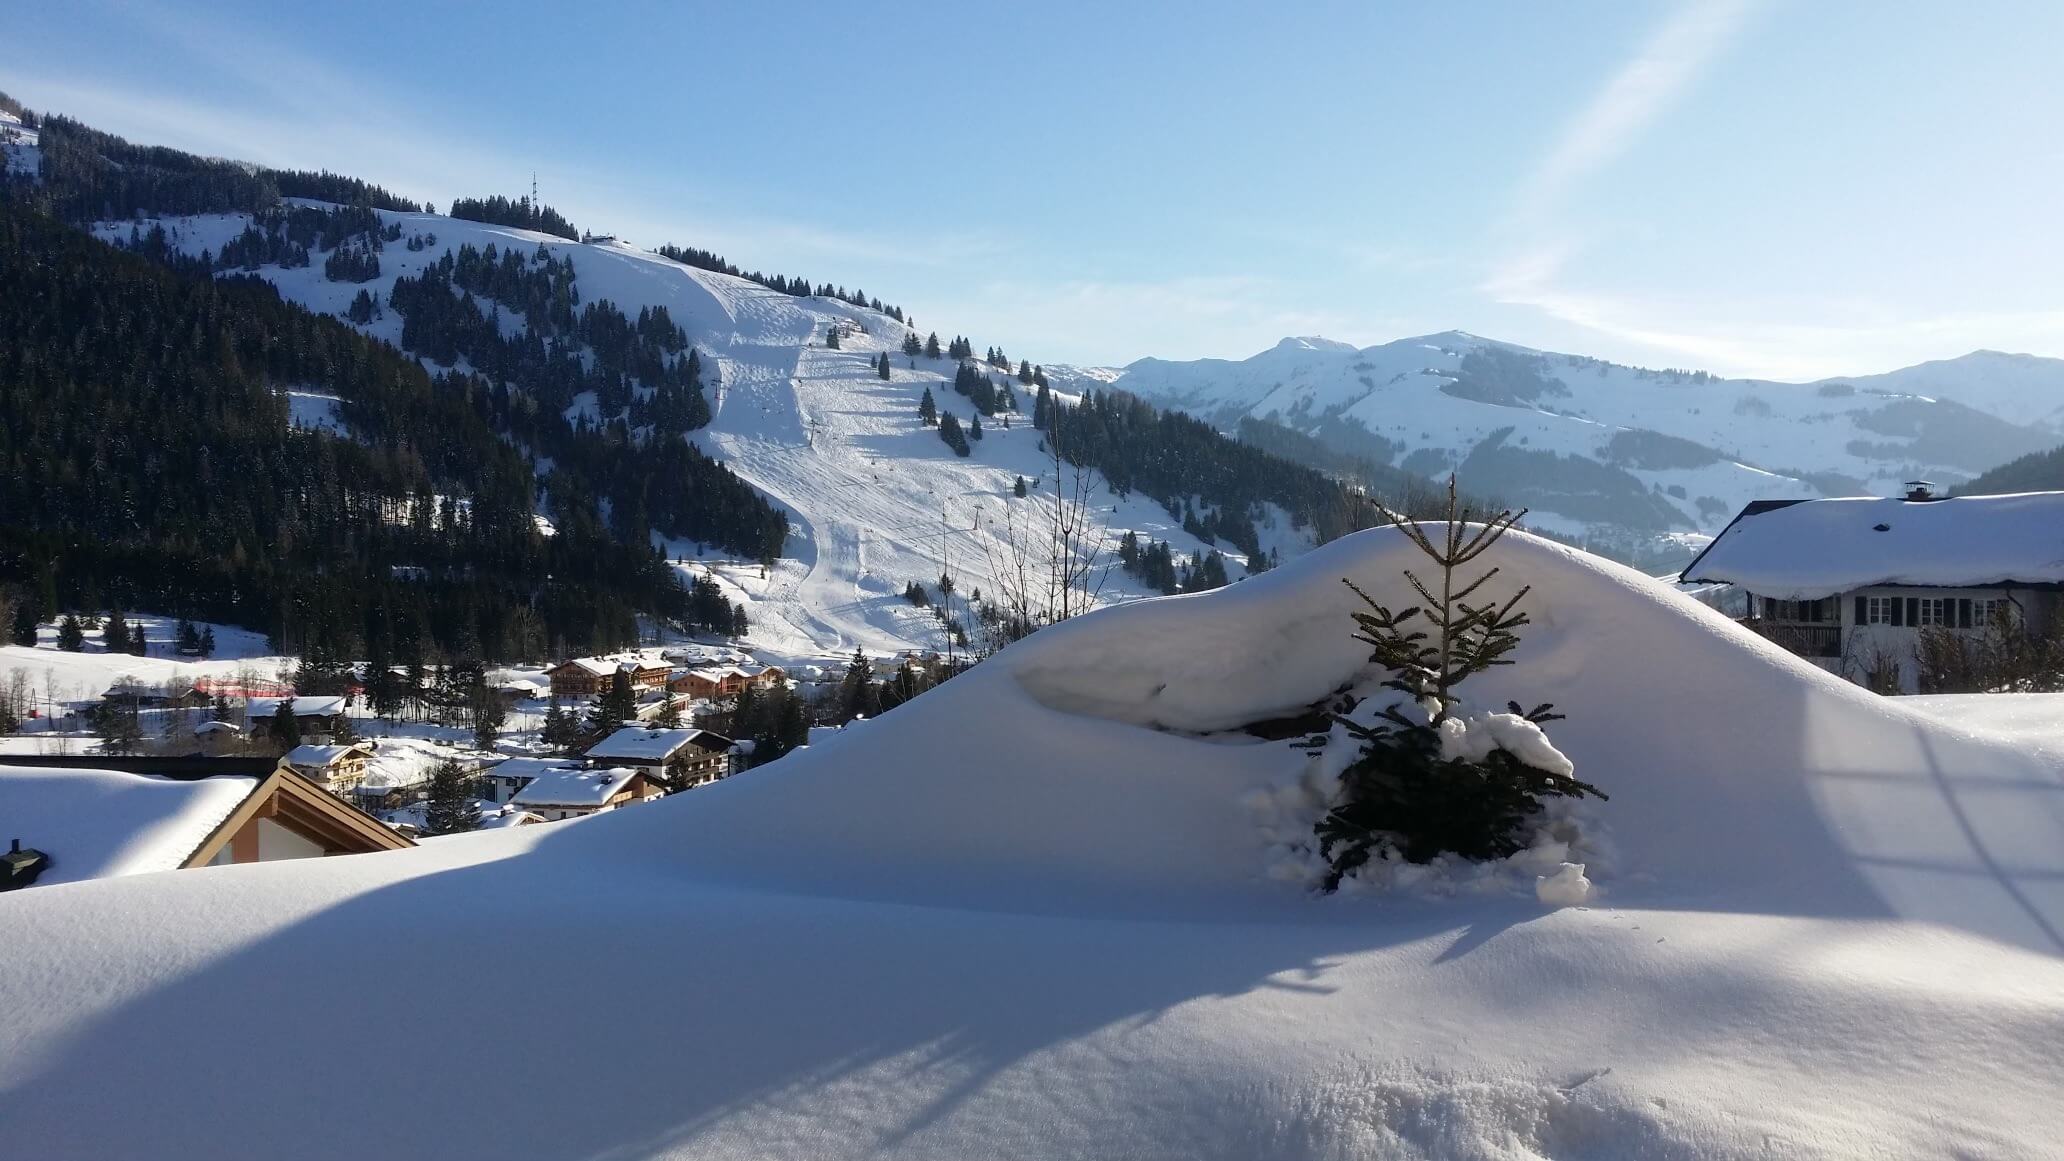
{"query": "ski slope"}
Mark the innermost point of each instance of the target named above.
(876, 500)
(1026, 916)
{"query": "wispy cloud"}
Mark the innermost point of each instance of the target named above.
(1640, 94)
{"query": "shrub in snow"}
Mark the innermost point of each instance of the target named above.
(1432, 776)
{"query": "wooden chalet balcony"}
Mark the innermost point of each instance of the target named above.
(1805, 640)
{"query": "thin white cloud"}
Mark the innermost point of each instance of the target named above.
(1654, 80)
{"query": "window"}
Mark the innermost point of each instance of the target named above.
(1878, 610)
(1931, 612)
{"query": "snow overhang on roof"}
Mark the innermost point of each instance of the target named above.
(1808, 549)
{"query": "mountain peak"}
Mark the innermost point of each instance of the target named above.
(1312, 343)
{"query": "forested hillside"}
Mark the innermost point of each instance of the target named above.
(147, 459)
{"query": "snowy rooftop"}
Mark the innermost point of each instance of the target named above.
(606, 665)
(531, 767)
(98, 823)
(574, 787)
(642, 745)
(304, 707)
(309, 755)
(1817, 548)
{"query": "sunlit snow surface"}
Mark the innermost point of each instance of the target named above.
(1026, 916)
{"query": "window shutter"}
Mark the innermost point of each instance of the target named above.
(1913, 610)
(1862, 610)
(1898, 610)
(1963, 612)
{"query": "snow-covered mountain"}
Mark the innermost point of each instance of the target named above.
(1596, 447)
(875, 499)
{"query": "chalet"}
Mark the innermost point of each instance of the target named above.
(561, 794)
(218, 737)
(131, 695)
(504, 780)
(1852, 584)
(587, 676)
(706, 755)
(521, 689)
(106, 816)
(712, 682)
(314, 715)
(336, 768)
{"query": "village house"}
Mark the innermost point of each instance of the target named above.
(1853, 584)
(102, 816)
(521, 689)
(712, 682)
(561, 794)
(587, 676)
(502, 781)
(312, 715)
(336, 768)
(218, 737)
(703, 755)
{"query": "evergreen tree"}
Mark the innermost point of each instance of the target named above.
(974, 430)
(669, 716)
(450, 807)
(1024, 372)
(617, 705)
(949, 430)
(25, 623)
(831, 337)
(1018, 490)
(185, 640)
(562, 729)
(1403, 791)
(208, 641)
(137, 643)
(931, 347)
(286, 728)
(114, 632)
(882, 368)
(71, 637)
(678, 777)
(927, 409)
(912, 345)
(115, 722)
(856, 690)
(487, 710)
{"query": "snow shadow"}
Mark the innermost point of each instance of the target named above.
(560, 1009)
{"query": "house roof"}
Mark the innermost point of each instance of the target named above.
(606, 665)
(574, 787)
(633, 743)
(218, 727)
(1808, 549)
(312, 755)
(531, 767)
(97, 823)
(304, 707)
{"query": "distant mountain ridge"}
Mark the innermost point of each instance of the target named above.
(1600, 449)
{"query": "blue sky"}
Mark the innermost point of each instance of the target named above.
(1785, 189)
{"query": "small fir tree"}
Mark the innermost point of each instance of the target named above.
(286, 728)
(114, 632)
(1405, 791)
(928, 409)
(450, 807)
(71, 636)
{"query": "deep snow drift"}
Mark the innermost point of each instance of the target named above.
(1026, 915)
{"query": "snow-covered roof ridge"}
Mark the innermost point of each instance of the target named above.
(574, 787)
(633, 743)
(1808, 549)
(99, 823)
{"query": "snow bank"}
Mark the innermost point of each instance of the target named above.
(1024, 916)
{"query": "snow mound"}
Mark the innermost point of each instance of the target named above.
(1024, 915)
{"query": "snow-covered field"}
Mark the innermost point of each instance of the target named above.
(875, 499)
(55, 676)
(1027, 916)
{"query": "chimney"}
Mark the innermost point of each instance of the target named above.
(1920, 491)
